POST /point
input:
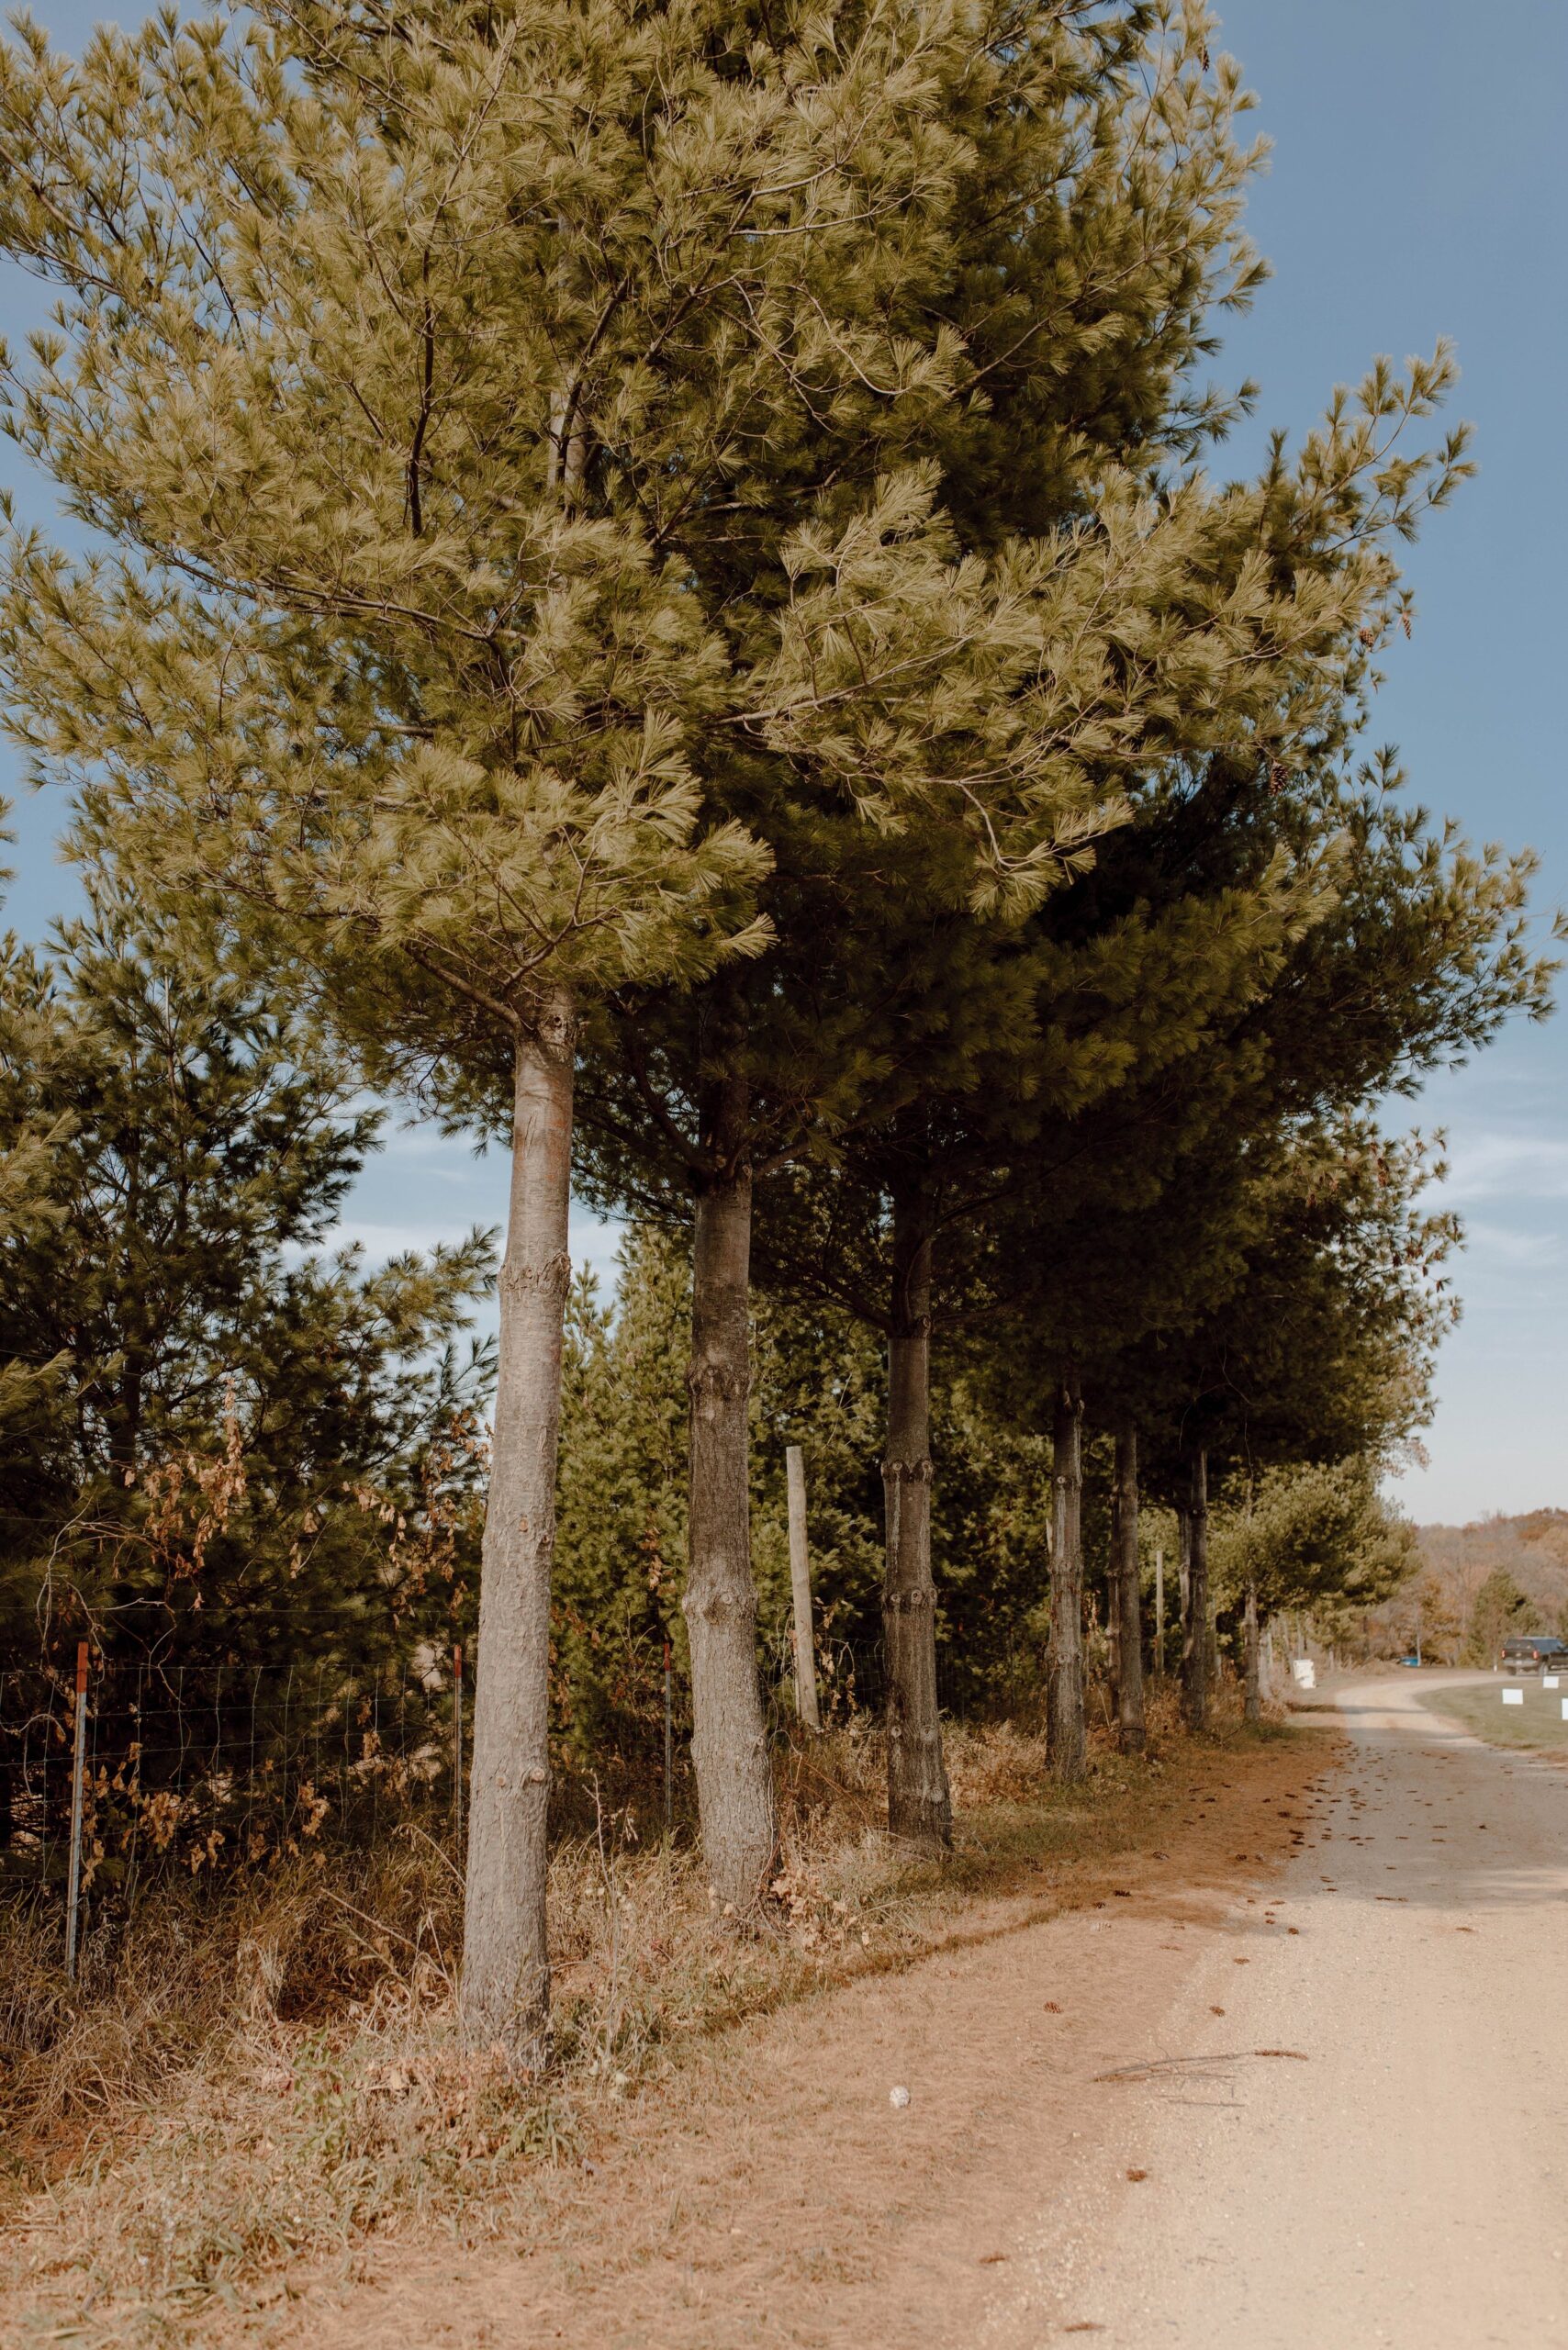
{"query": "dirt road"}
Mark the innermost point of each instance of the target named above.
(1401, 2177)
(1296, 2083)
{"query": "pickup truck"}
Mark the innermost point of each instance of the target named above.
(1538, 1653)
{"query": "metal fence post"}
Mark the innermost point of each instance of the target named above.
(74, 1880)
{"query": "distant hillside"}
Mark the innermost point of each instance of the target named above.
(1515, 1568)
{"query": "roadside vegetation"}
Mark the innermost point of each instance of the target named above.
(658, 590)
(274, 2077)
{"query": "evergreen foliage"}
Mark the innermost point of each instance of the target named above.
(1499, 1609)
(234, 1442)
(1310, 1538)
(817, 1382)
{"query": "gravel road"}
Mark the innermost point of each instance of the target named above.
(1295, 2080)
(1356, 2130)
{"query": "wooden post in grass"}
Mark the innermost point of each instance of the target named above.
(801, 1585)
(457, 1748)
(73, 1878)
(1160, 1611)
(669, 1751)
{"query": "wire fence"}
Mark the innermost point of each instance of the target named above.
(130, 1769)
(206, 1768)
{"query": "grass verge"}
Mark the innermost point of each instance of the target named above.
(1538, 1723)
(244, 2086)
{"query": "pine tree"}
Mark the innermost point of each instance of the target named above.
(1242, 626)
(218, 1415)
(1308, 1538)
(429, 371)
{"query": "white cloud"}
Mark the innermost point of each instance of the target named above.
(1503, 1166)
(1510, 1246)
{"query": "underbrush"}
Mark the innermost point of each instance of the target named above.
(246, 2078)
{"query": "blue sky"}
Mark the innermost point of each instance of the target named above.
(1418, 186)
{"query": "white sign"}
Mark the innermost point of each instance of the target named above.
(1513, 1696)
(1566, 1709)
(1304, 1672)
(1548, 1680)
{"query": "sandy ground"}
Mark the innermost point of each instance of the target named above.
(1400, 2179)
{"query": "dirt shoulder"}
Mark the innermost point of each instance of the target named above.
(768, 2191)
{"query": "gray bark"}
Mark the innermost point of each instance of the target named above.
(1066, 1738)
(729, 1737)
(1195, 1630)
(1254, 1694)
(1131, 1729)
(506, 1961)
(919, 1807)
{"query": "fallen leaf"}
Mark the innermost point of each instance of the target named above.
(990, 2259)
(1137, 2174)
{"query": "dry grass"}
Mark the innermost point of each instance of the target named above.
(277, 2075)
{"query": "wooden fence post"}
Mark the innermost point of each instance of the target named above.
(800, 1585)
(669, 1750)
(73, 1878)
(1160, 1611)
(457, 1747)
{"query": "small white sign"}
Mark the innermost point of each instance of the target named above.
(1513, 1696)
(1548, 1680)
(1566, 1709)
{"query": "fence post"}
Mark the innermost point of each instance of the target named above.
(669, 1753)
(457, 1745)
(1160, 1611)
(800, 1585)
(73, 1878)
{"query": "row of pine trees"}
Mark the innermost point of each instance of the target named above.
(657, 575)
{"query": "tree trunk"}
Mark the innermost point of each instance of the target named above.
(1196, 1643)
(1254, 1695)
(1065, 1728)
(1131, 1731)
(506, 1961)
(729, 1733)
(920, 1808)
